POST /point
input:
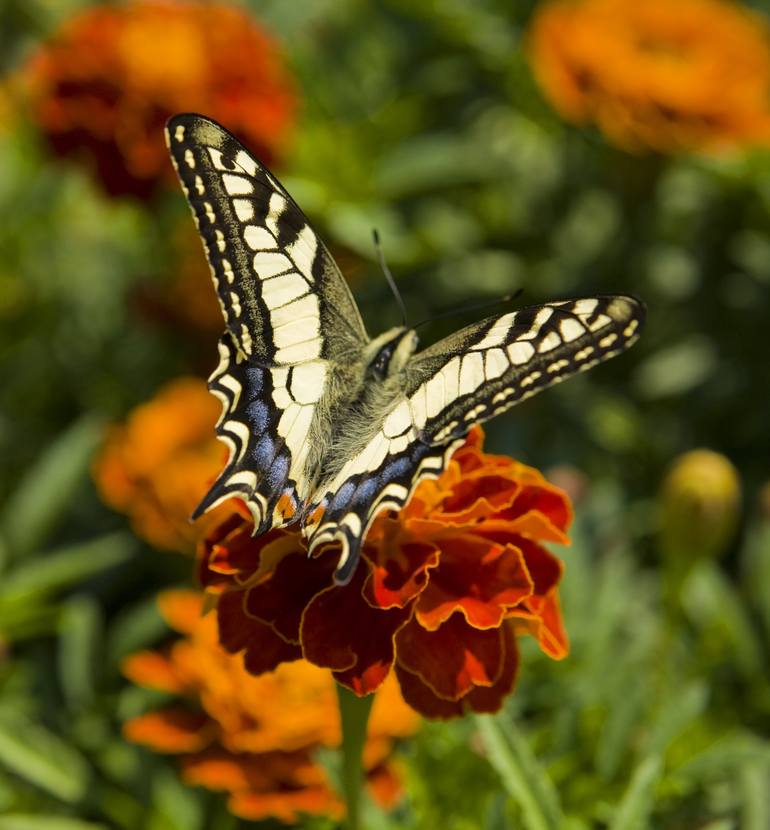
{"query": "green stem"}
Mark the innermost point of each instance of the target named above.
(354, 715)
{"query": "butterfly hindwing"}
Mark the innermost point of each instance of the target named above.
(463, 380)
(288, 312)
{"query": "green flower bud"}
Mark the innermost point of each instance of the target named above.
(699, 506)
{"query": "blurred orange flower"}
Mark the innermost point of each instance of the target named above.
(443, 590)
(660, 75)
(158, 465)
(254, 737)
(104, 85)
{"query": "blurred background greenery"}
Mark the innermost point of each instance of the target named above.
(423, 120)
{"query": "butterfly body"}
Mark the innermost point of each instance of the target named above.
(326, 426)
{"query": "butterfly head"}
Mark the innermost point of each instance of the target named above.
(388, 353)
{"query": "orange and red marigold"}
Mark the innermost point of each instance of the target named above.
(443, 590)
(105, 83)
(254, 737)
(665, 75)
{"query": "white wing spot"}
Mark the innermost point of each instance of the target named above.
(550, 341)
(189, 159)
(275, 208)
(497, 334)
(436, 397)
(179, 132)
(300, 352)
(281, 290)
(520, 352)
(570, 329)
(471, 373)
(244, 209)
(307, 382)
(258, 238)
(397, 421)
(237, 185)
(246, 163)
(235, 302)
(271, 264)
(303, 251)
(305, 307)
(495, 363)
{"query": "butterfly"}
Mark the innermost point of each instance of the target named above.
(324, 425)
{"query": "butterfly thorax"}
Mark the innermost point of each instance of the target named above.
(370, 386)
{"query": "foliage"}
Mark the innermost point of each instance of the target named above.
(424, 121)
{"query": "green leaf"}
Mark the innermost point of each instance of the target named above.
(622, 719)
(179, 805)
(41, 758)
(45, 492)
(66, 567)
(523, 777)
(638, 800)
(755, 789)
(679, 712)
(133, 629)
(44, 821)
(80, 629)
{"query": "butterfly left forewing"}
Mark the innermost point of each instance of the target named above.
(463, 380)
(289, 315)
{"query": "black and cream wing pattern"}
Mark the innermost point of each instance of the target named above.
(324, 425)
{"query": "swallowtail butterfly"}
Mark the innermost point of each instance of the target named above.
(324, 425)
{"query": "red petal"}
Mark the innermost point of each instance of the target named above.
(422, 698)
(294, 579)
(547, 500)
(264, 648)
(454, 658)
(399, 568)
(342, 631)
(476, 577)
(489, 699)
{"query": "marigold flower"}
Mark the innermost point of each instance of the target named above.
(104, 85)
(254, 737)
(158, 465)
(660, 75)
(443, 590)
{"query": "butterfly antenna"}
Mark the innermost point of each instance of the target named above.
(388, 275)
(475, 307)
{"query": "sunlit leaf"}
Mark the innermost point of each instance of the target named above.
(41, 758)
(522, 776)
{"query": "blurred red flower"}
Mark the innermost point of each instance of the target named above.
(103, 86)
(660, 75)
(442, 592)
(252, 737)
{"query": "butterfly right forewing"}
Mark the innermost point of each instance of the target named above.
(463, 380)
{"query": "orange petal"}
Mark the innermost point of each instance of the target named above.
(171, 730)
(154, 671)
(181, 609)
(287, 806)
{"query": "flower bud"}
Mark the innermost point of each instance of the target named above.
(699, 506)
